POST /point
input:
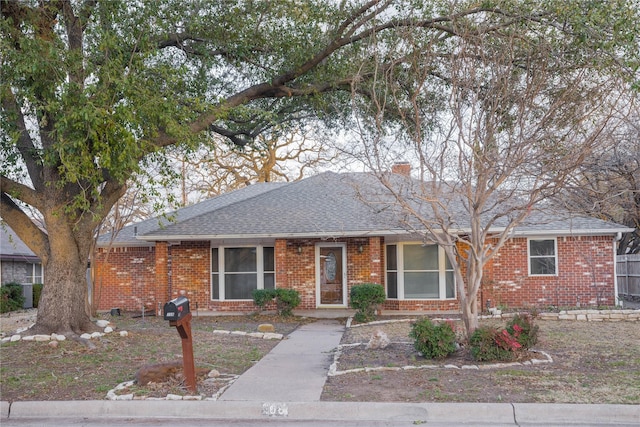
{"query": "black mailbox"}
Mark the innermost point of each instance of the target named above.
(176, 309)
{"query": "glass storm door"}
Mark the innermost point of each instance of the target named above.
(331, 286)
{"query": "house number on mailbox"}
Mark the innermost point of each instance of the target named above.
(330, 266)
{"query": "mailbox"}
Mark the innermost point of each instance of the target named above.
(176, 309)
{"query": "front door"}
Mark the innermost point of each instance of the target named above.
(331, 275)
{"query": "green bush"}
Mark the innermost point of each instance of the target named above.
(366, 298)
(262, 297)
(483, 345)
(433, 340)
(11, 297)
(286, 299)
(521, 327)
(37, 291)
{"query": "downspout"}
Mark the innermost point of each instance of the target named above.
(616, 239)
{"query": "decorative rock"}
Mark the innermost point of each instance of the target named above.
(85, 336)
(192, 398)
(102, 323)
(108, 329)
(238, 333)
(58, 337)
(96, 335)
(266, 327)
(124, 333)
(174, 397)
(125, 397)
(270, 336)
(53, 344)
(15, 338)
(214, 373)
(28, 338)
(256, 335)
(42, 337)
(379, 340)
(6, 339)
(221, 331)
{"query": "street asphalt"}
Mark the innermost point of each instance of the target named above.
(287, 383)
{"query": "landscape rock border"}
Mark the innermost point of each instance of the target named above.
(333, 368)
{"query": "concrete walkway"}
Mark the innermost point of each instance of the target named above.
(293, 371)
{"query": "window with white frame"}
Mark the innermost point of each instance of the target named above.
(416, 271)
(237, 271)
(36, 273)
(543, 257)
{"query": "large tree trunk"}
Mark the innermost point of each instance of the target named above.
(63, 306)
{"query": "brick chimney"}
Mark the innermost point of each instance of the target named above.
(401, 168)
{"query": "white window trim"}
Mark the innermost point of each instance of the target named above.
(33, 273)
(442, 273)
(222, 274)
(555, 254)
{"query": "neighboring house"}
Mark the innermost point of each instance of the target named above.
(17, 262)
(320, 237)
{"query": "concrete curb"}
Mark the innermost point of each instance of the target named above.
(457, 413)
(567, 413)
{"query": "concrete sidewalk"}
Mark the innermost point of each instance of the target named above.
(293, 371)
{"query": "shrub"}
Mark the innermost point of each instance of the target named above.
(366, 298)
(521, 327)
(286, 299)
(261, 297)
(434, 341)
(11, 297)
(37, 291)
(483, 345)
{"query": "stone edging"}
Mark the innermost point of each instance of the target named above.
(262, 335)
(579, 315)
(333, 369)
(593, 315)
(58, 337)
(111, 394)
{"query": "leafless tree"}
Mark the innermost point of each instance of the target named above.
(272, 157)
(497, 122)
(607, 185)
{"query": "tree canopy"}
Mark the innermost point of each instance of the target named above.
(90, 88)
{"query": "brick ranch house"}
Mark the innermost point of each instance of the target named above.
(318, 237)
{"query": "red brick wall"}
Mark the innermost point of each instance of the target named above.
(296, 269)
(131, 277)
(585, 275)
(125, 278)
(191, 273)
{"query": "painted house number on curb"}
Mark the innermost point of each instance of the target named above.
(275, 409)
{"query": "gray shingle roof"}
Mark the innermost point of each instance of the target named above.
(11, 247)
(128, 234)
(326, 205)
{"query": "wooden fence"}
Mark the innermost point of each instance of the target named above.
(628, 272)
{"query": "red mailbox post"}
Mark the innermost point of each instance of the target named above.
(178, 313)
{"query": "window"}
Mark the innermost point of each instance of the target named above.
(236, 272)
(542, 257)
(416, 271)
(36, 273)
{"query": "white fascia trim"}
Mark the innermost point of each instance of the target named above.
(329, 235)
(321, 235)
(565, 232)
